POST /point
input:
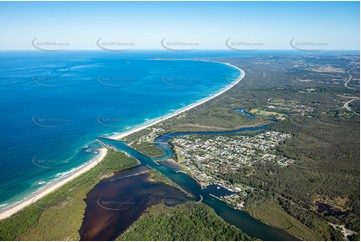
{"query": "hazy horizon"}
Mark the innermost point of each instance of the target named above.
(180, 25)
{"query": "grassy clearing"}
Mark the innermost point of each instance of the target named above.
(273, 214)
(268, 113)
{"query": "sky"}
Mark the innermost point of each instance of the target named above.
(181, 25)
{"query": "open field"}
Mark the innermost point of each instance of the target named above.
(267, 212)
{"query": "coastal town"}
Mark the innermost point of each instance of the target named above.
(208, 158)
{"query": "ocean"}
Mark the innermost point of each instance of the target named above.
(55, 104)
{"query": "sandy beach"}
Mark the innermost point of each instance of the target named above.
(182, 110)
(52, 187)
(103, 151)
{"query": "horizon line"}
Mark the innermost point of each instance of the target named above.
(185, 51)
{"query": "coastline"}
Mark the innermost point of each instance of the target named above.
(184, 109)
(52, 187)
(9, 211)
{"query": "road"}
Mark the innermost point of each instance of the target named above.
(348, 80)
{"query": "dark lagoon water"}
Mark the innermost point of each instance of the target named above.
(116, 202)
(238, 218)
(328, 210)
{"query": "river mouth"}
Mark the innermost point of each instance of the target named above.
(108, 226)
(116, 202)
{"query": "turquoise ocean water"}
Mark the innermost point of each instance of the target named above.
(54, 105)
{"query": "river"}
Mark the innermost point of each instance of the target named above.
(239, 218)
